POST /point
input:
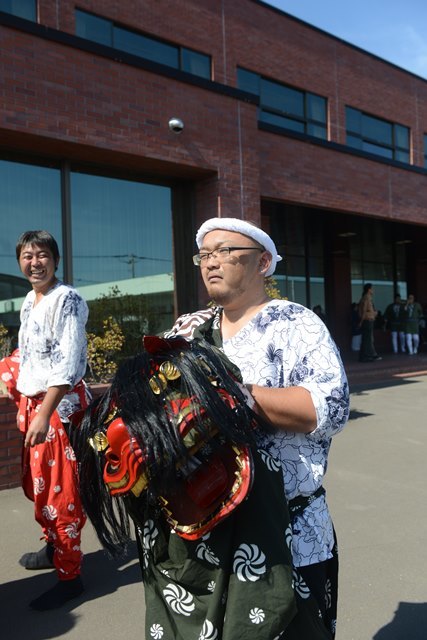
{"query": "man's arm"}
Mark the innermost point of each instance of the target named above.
(316, 400)
(288, 409)
(39, 426)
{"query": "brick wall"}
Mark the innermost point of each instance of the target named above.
(83, 106)
(10, 445)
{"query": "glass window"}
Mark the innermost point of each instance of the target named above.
(21, 8)
(354, 141)
(144, 47)
(94, 28)
(121, 245)
(292, 283)
(286, 227)
(402, 156)
(281, 98)
(379, 151)
(354, 121)
(373, 260)
(401, 135)
(122, 241)
(377, 136)
(30, 199)
(284, 106)
(248, 81)
(104, 31)
(316, 107)
(378, 130)
(281, 121)
(316, 130)
(196, 63)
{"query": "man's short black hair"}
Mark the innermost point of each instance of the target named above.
(39, 238)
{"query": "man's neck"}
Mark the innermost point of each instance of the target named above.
(236, 316)
(41, 291)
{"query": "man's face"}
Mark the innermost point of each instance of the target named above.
(38, 266)
(236, 276)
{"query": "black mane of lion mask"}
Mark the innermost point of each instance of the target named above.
(174, 431)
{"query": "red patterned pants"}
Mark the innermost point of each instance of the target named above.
(50, 479)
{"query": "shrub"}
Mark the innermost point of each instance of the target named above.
(131, 313)
(5, 342)
(102, 351)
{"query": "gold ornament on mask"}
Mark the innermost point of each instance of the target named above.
(99, 441)
(158, 383)
(169, 370)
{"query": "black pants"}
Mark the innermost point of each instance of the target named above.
(322, 580)
(367, 349)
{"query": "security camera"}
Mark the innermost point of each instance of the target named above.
(176, 125)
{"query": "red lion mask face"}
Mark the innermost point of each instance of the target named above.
(124, 466)
(175, 388)
(205, 490)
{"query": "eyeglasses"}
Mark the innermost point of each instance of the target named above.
(221, 254)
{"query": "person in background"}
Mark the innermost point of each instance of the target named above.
(294, 372)
(48, 375)
(367, 315)
(317, 309)
(356, 331)
(394, 317)
(413, 314)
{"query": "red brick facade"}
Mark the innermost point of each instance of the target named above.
(80, 105)
(10, 445)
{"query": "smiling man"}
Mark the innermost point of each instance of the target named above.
(293, 370)
(52, 362)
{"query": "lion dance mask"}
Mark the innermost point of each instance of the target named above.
(173, 431)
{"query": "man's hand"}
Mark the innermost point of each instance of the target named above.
(39, 425)
(37, 431)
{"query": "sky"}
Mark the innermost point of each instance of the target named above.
(395, 30)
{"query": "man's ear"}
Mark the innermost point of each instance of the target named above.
(264, 262)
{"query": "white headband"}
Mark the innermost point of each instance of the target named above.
(247, 229)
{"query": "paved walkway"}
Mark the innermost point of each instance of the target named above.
(390, 367)
(378, 495)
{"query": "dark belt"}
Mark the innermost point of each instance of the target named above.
(297, 505)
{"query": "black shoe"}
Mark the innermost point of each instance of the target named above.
(58, 595)
(366, 359)
(377, 358)
(42, 559)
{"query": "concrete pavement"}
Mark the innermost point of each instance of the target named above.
(377, 493)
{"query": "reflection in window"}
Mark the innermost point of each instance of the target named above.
(299, 275)
(284, 106)
(373, 135)
(122, 240)
(30, 199)
(20, 8)
(107, 32)
(376, 257)
(94, 28)
(139, 45)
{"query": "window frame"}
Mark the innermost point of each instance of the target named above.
(393, 148)
(179, 49)
(305, 120)
(18, 14)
